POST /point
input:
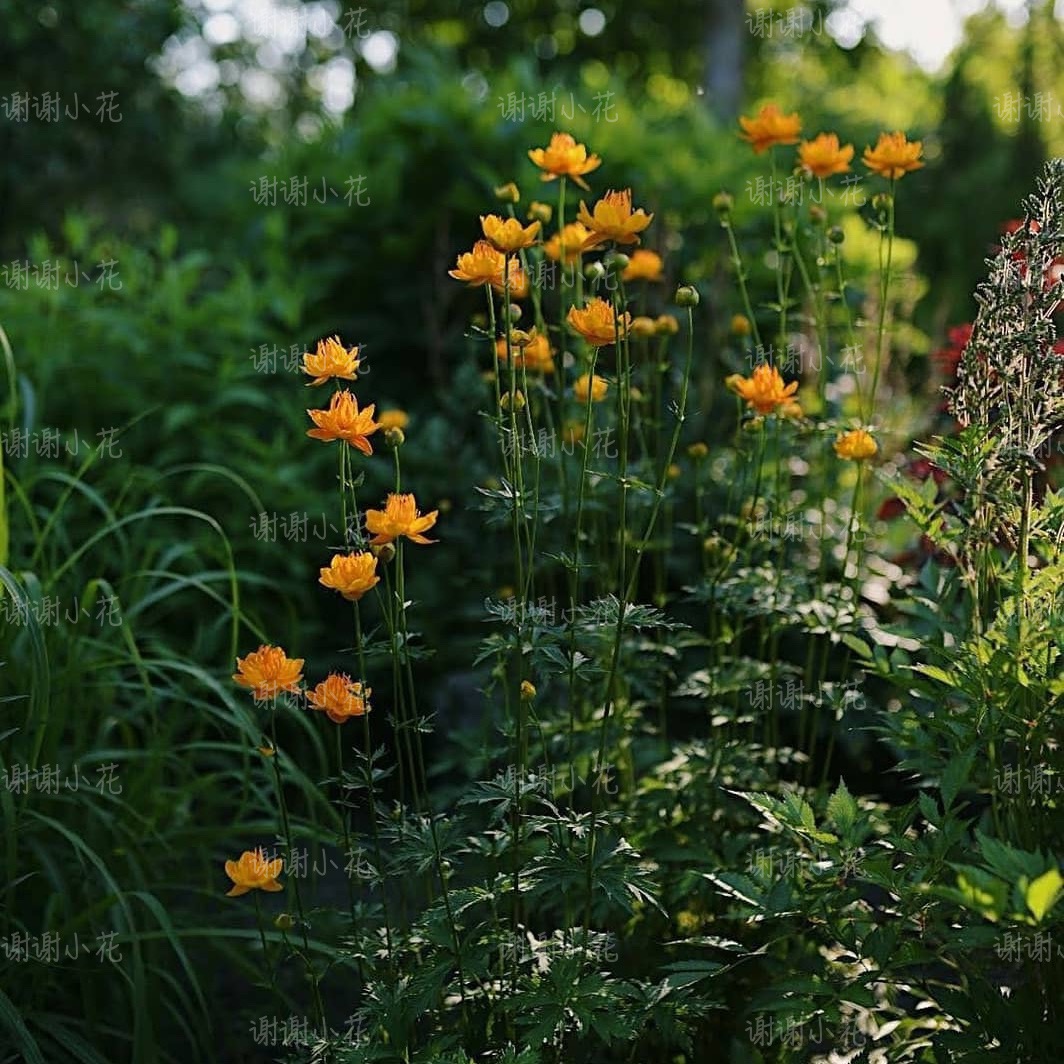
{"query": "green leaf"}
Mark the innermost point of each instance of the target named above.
(1043, 893)
(842, 809)
(954, 777)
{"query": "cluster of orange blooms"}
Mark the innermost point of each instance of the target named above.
(269, 671)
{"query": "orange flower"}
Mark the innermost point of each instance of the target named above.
(268, 671)
(531, 351)
(253, 872)
(344, 421)
(764, 390)
(351, 574)
(770, 127)
(393, 419)
(569, 243)
(563, 157)
(586, 384)
(516, 276)
(483, 265)
(822, 156)
(644, 265)
(856, 445)
(894, 155)
(613, 219)
(596, 323)
(340, 698)
(400, 517)
(508, 234)
(331, 360)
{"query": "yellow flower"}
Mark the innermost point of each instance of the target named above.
(340, 698)
(764, 390)
(563, 157)
(268, 671)
(644, 265)
(253, 872)
(483, 265)
(528, 690)
(332, 359)
(698, 450)
(508, 193)
(508, 234)
(399, 517)
(822, 156)
(573, 431)
(570, 241)
(894, 155)
(770, 127)
(344, 421)
(613, 219)
(351, 574)
(596, 323)
(516, 277)
(530, 351)
(792, 409)
(667, 324)
(644, 327)
(542, 212)
(393, 419)
(518, 400)
(856, 445)
(732, 381)
(674, 472)
(740, 325)
(595, 385)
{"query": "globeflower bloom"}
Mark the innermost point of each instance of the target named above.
(644, 265)
(822, 156)
(508, 234)
(268, 671)
(769, 127)
(330, 360)
(764, 389)
(340, 698)
(530, 351)
(568, 245)
(400, 517)
(595, 386)
(344, 421)
(516, 278)
(350, 574)
(894, 155)
(483, 265)
(613, 219)
(597, 324)
(856, 445)
(393, 419)
(253, 872)
(563, 157)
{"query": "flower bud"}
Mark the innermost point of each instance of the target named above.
(383, 552)
(528, 691)
(836, 235)
(508, 193)
(594, 271)
(617, 261)
(635, 394)
(723, 203)
(686, 296)
(673, 472)
(817, 214)
(740, 325)
(666, 325)
(518, 400)
(394, 437)
(515, 312)
(643, 327)
(284, 922)
(881, 201)
(698, 451)
(540, 212)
